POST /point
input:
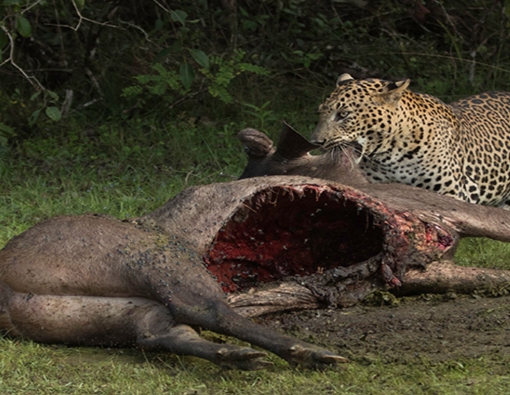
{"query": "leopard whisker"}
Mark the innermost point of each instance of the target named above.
(350, 152)
(345, 152)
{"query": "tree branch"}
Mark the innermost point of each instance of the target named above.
(34, 81)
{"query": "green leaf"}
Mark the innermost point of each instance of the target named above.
(33, 118)
(131, 91)
(23, 26)
(244, 13)
(8, 3)
(6, 130)
(52, 94)
(35, 95)
(159, 89)
(200, 57)
(80, 4)
(175, 48)
(187, 75)
(178, 16)
(3, 39)
(158, 25)
(53, 113)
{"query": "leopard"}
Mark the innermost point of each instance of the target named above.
(460, 149)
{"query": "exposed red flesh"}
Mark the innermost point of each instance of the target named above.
(298, 231)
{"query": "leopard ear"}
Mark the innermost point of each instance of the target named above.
(394, 91)
(343, 79)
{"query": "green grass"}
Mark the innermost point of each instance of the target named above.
(29, 368)
(483, 253)
(128, 169)
(112, 172)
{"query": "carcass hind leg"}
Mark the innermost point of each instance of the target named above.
(115, 321)
(183, 340)
(218, 317)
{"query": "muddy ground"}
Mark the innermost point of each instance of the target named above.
(437, 328)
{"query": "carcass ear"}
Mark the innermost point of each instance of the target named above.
(394, 91)
(256, 144)
(343, 79)
(292, 145)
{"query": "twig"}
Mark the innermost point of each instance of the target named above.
(164, 8)
(67, 103)
(94, 81)
(31, 6)
(59, 32)
(10, 60)
(129, 24)
(88, 104)
(81, 19)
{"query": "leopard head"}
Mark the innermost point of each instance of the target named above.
(359, 112)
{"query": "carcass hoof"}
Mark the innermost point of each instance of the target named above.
(243, 359)
(313, 357)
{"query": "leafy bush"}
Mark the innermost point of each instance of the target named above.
(69, 59)
(216, 74)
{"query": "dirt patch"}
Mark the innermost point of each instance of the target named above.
(409, 330)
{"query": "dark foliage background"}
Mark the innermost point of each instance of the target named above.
(90, 59)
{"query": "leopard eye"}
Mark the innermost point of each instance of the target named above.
(340, 115)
